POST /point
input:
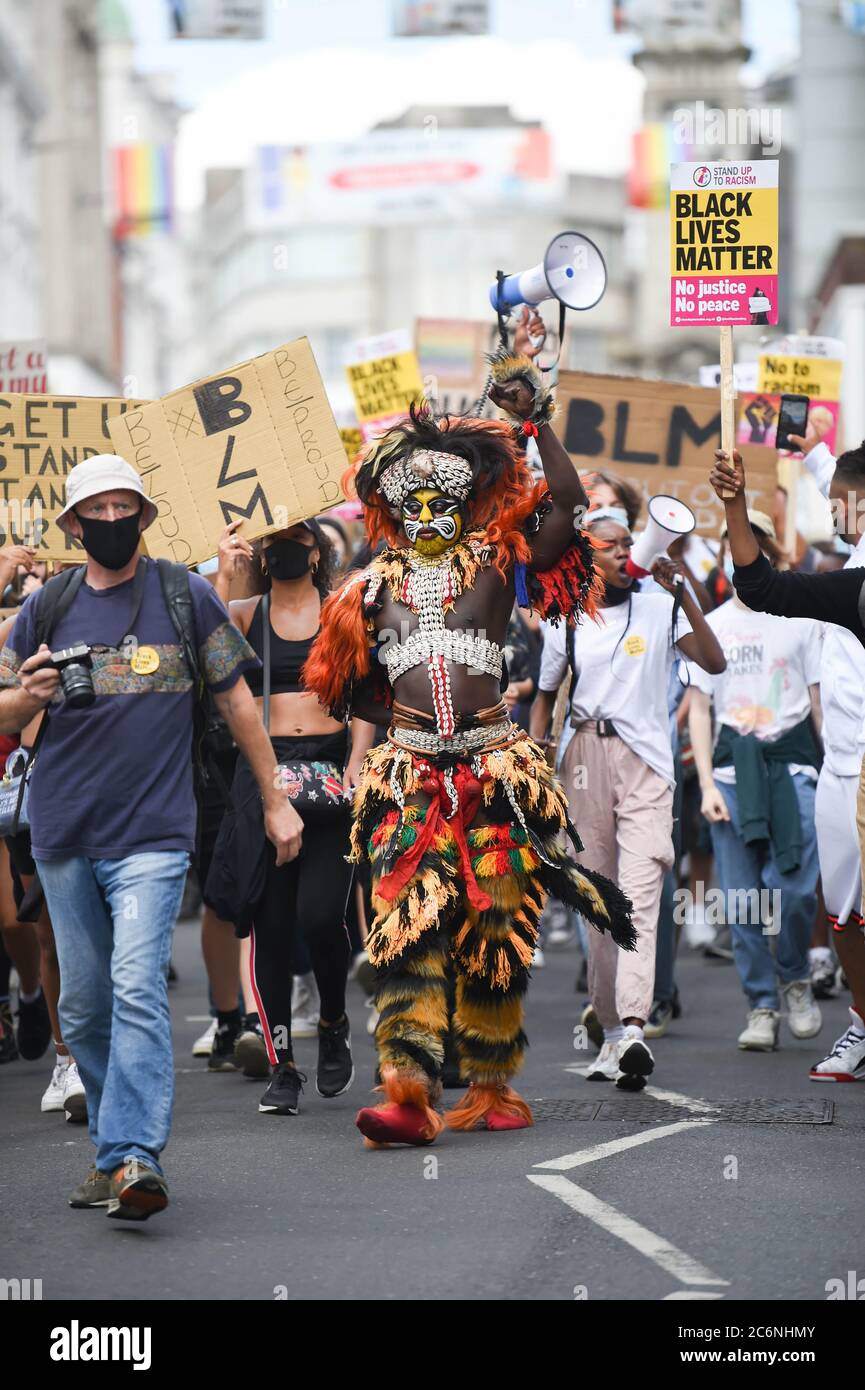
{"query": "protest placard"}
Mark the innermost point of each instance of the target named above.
(257, 441)
(724, 243)
(352, 441)
(41, 439)
(658, 434)
(23, 367)
(385, 379)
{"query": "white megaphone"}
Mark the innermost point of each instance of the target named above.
(572, 271)
(668, 518)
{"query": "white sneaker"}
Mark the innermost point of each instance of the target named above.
(635, 1063)
(372, 1021)
(53, 1097)
(803, 1013)
(203, 1046)
(74, 1099)
(305, 1007)
(539, 960)
(846, 1061)
(760, 1034)
(605, 1066)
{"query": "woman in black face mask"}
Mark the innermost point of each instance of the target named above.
(308, 895)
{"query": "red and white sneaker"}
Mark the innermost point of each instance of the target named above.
(846, 1061)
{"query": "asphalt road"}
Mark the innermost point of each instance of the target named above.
(696, 1206)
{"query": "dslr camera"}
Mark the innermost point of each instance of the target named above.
(76, 678)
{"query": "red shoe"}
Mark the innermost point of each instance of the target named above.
(395, 1124)
(497, 1120)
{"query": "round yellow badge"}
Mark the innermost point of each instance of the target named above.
(635, 645)
(145, 661)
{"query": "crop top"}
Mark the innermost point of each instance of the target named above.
(286, 658)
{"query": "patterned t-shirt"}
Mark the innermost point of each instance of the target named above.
(115, 778)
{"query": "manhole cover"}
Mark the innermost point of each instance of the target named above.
(644, 1110)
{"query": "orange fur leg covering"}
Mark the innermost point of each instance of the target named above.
(499, 1107)
(406, 1117)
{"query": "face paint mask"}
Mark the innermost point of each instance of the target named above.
(430, 510)
(111, 544)
(287, 559)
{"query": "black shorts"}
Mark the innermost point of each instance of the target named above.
(211, 810)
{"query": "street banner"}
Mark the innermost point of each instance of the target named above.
(385, 379)
(23, 367)
(660, 435)
(724, 243)
(400, 176)
(257, 441)
(217, 19)
(41, 438)
(453, 360)
(430, 19)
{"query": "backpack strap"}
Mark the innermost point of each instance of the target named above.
(177, 593)
(55, 600)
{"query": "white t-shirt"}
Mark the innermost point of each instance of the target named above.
(771, 662)
(622, 675)
(842, 669)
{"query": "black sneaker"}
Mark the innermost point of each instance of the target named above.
(335, 1071)
(250, 1051)
(282, 1094)
(34, 1028)
(222, 1053)
(8, 1045)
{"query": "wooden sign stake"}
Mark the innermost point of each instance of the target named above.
(728, 397)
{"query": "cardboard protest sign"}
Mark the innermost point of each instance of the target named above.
(23, 367)
(452, 355)
(724, 243)
(257, 441)
(41, 439)
(658, 434)
(385, 379)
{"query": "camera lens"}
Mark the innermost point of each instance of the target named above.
(77, 682)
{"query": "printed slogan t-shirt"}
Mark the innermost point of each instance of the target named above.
(115, 779)
(771, 662)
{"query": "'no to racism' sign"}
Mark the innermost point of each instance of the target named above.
(724, 243)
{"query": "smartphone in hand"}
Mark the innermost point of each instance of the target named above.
(792, 419)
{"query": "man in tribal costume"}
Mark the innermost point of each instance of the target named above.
(457, 812)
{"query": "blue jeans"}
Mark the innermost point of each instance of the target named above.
(113, 921)
(742, 866)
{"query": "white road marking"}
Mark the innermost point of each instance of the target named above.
(613, 1146)
(672, 1260)
(689, 1294)
(699, 1107)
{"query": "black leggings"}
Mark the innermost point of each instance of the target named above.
(308, 895)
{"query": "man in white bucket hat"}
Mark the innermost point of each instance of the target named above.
(111, 802)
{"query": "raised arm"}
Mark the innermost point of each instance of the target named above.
(525, 397)
(831, 598)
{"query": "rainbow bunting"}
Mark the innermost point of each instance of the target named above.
(144, 190)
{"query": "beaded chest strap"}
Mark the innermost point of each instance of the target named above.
(429, 586)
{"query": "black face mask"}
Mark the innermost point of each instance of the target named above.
(287, 559)
(110, 543)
